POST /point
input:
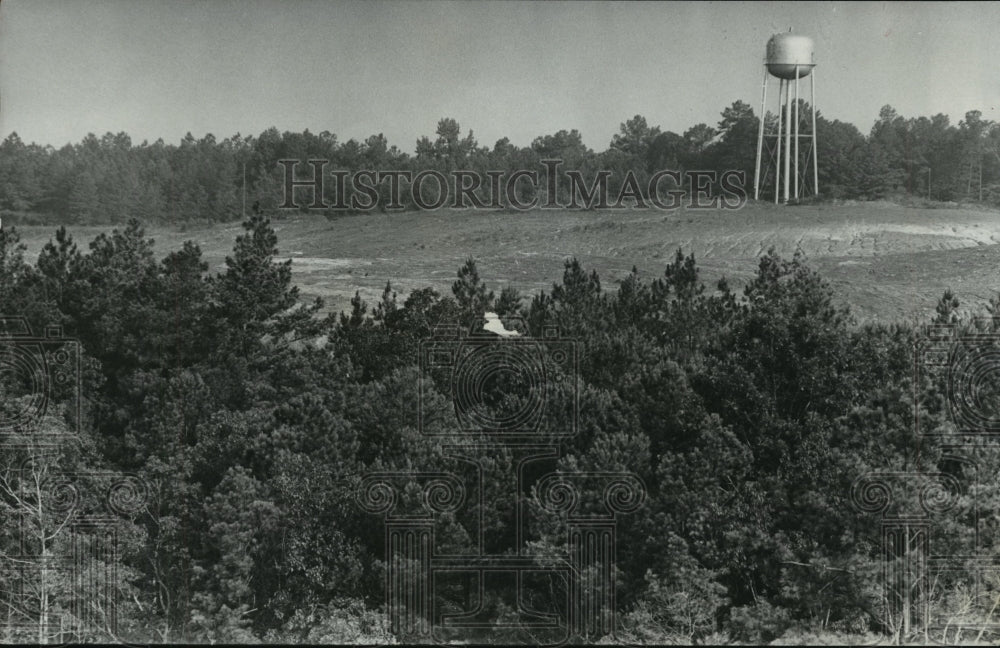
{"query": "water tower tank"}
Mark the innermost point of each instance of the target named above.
(785, 51)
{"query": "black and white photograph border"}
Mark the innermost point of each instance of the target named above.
(518, 323)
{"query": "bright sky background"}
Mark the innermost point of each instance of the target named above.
(161, 69)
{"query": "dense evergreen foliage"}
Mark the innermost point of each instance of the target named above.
(109, 179)
(747, 416)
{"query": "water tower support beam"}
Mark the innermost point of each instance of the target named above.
(796, 111)
(812, 94)
(760, 137)
(777, 137)
(788, 138)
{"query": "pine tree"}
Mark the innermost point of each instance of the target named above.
(471, 294)
(946, 309)
(387, 306)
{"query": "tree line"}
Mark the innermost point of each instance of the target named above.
(748, 416)
(109, 179)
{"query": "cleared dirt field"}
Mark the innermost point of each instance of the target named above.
(887, 262)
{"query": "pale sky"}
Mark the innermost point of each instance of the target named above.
(515, 69)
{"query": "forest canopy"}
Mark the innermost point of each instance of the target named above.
(108, 179)
(252, 421)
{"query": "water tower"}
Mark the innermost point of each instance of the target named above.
(790, 60)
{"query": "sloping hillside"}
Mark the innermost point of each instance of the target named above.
(886, 261)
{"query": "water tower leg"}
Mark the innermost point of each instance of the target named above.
(760, 138)
(812, 94)
(777, 157)
(788, 138)
(796, 111)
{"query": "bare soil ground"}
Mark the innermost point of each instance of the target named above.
(886, 261)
